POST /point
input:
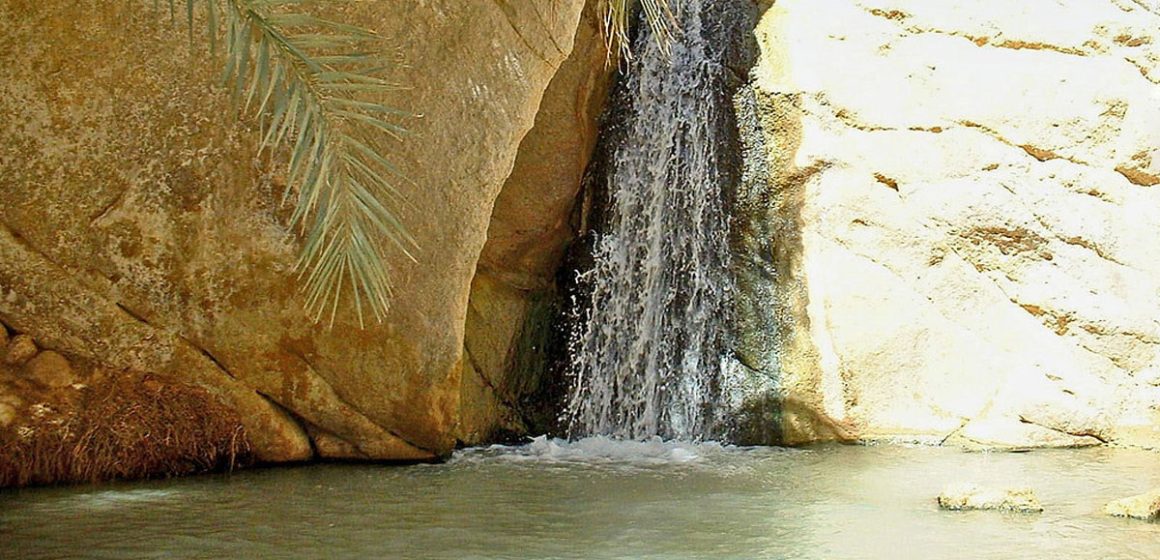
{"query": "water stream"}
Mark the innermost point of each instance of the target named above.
(647, 353)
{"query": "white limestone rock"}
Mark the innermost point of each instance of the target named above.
(978, 215)
(961, 497)
(1145, 506)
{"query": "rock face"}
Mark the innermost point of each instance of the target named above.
(138, 230)
(1145, 506)
(513, 294)
(960, 497)
(963, 199)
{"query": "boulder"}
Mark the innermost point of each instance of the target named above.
(960, 198)
(1145, 506)
(51, 370)
(19, 350)
(960, 497)
(141, 230)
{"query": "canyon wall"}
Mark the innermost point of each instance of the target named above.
(514, 297)
(140, 230)
(966, 203)
(944, 230)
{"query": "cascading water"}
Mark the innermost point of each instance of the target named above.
(647, 348)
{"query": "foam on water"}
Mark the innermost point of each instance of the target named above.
(105, 500)
(604, 450)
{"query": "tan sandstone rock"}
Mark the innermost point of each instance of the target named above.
(19, 350)
(139, 229)
(959, 497)
(975, 195)
(1145, 506)
(51, 370)
(529, 230)
(10, 406)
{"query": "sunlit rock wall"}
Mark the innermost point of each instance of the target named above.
(139, 230)
(966, 218)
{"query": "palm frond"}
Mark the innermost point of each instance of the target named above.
(617, 22)
(314, 84)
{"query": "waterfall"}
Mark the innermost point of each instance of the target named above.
(647, 347)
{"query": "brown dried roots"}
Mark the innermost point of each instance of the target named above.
(125, 426)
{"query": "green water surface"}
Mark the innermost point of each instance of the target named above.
(605, 500)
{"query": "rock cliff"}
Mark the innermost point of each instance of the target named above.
(138, 228)
(943, 231)
(966, 198)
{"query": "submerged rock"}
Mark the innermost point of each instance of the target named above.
(20, 349)
(961, 497)
(1145, 506)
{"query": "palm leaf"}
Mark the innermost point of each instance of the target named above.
(617, 22)
(316, 86)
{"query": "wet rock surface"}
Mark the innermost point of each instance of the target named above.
(965, 497)
(1144, 506)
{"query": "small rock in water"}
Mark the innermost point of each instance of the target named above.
(1145, 506)
(51, 370)
(20, 349)
(960, 497)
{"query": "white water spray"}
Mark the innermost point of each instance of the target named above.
(647, 352)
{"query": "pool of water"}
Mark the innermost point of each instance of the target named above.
(601, 499)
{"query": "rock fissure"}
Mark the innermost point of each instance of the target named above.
(1077, 433)
(844, 115)
(510, 18)
(344, 408)
(135, 315)
(899, 17)
(487, 382)
(1144, 70)
(1073, 240)
(1041, 155)
(1138, 177)
(140, 318)
(207, 354)
(108, 208)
